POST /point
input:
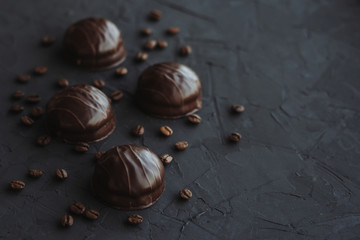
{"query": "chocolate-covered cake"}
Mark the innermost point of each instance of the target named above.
(129, 177)
(169, 90)
(80, 113)
(94, 44)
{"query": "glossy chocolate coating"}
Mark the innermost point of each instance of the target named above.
(80, 113)
(169, 90)
(94, 44)
(129, 177)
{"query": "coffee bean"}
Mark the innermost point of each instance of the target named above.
(61, 173)
(23, 78)
(141, 57)
(17, 108)
(17, 185)
(35, 173)
(138, 130)
(155, 15)
(185, 50)
(237, 108)
(98, 155)
(146, 31)
(37, 111)
(43, 140)
(166, 130)
(116, 95)
(182, 145)
(135, 219)
(77, 208)
(121, 71)
(82, 147)
(185, 194)
(166, 159)
(235, 137)
(99, 83)
(27, 121)
(63, 82)
(173, 30)
(150, 45)
(92, 214)
(33, 98)
(194, 118)
(162, 44)
(40, 70)
(67, 221)
(47, 40)
(18, 94)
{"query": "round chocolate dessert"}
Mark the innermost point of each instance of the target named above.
(94, 44)
(80, 113)
(129, 177)
(169, 90)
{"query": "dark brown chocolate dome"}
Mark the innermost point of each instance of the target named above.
(129, 177)
(94, 44)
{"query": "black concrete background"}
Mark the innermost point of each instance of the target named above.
(293, 64)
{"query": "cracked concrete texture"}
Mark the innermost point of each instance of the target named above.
(293, 64)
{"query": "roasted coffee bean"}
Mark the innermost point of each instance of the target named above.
(82, 147)
(63, 82)
(43, 140)
(23, 78)
(121, 71)
(37, 111)
(166, 130)
(99, 83)
(166, 159)
(67, 221)
(116, 95)
(33, 98)
(237, 108)
(150, 45)
(17, 108)
(141, 57)
(27, 121)
(18, 94)
(138, 130)
(146, 31)
(35, 173)
(61, 173)
(185, 194)
(194, 118)
(17, 185)
(173, 30)
(185, 50)
(77, 208)
(182, 145)
(135, 219)
(92, 214)
(47, 40)
(40, 70)
(162, 44)
(98, 155)
(155, 15)
(235, 137)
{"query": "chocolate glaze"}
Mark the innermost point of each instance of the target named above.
(129, 177)
(94, 44)
(169, 90)
(80, 113)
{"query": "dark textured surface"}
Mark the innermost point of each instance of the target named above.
(293, 64)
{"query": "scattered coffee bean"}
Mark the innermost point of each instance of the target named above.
(27, 121)
(63, 82)
(182, 145)
(173, 30)
(166, 130)
(23, 78)
(82, 147)
(98, 155)
(166, 159)
(77, 208)
(18, 94)
(235, 137)
(35, 173)
(146, 31)
(194, 118)
(155, 15)
(99, 83)
(33, 98)
(185, 194)
(135, 219)
(237, 108)
(162, 44)
(43, 140)
(67, 221)
(61, 173)
(37, 111)
(47, 40)
(141, 57)
(185, 50)
(116, 95)
(150, 45)
(138, 130)
(17, 185)
(40, 70)
(121, 71)
(92, 214)
(17, 108)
